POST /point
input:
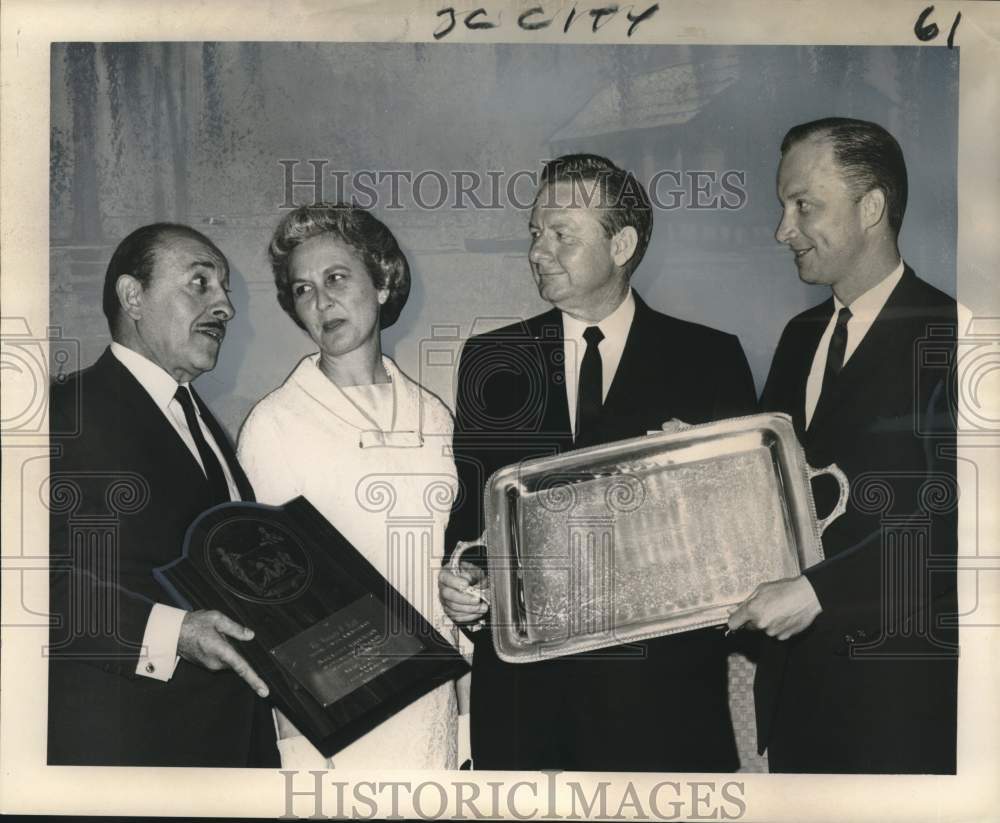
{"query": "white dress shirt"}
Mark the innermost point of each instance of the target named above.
(615, 328)
(163, 628)
(864, 310)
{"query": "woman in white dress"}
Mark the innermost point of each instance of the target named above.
(365, 444)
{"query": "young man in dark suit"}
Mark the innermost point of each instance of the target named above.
(136, 457)
(599, 366)
(858, 671)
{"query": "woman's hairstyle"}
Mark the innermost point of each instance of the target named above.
(368, 236)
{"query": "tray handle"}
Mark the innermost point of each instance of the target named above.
(837, 474)
(461, 547)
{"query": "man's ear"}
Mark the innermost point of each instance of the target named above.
(129, 291)
(872, 208)
(623, 245)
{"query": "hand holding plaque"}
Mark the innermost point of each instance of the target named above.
(339, 648)
(202, 640)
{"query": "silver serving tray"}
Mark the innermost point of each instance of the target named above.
(645, 537)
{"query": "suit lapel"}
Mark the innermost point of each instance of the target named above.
(788, 394)
(144, 421)
(634, 362)
(868, 372)
(547, 330)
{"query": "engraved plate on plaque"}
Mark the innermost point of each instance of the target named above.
(346, 650)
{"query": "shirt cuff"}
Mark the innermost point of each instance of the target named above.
(159, 642)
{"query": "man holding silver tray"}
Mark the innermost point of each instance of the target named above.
(601, 366)
(859, 669)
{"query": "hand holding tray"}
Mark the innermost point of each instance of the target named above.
(646, 537)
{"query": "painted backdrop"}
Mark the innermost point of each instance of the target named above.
(197, 132)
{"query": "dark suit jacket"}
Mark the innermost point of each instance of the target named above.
(123, 490)
(871, 685)
(659, 705)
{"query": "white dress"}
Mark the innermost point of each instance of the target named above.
(391, 501)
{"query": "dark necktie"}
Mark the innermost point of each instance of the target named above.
(213, 469)
(589, 395)
(835, 354)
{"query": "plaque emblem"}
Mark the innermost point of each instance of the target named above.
(258, 561)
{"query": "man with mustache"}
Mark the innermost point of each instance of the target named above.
(858, 670)
(136, 457)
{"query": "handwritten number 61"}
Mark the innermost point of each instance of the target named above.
(930, 31)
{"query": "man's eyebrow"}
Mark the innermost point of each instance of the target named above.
(789, 195)
(204, 262)
(562, 223)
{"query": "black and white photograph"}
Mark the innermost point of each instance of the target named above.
(563, 410)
